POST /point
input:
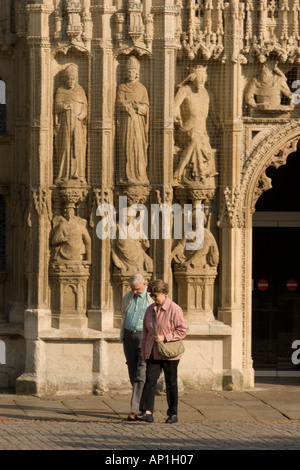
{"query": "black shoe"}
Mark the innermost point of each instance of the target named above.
(172, 419)
(145, 417)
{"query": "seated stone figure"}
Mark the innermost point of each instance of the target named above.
(264, 92)
(70, 240)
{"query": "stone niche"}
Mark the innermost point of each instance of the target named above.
(70, 261)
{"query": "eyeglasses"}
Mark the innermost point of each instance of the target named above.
(154, 296)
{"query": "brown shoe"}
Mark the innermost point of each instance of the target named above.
(131, 417)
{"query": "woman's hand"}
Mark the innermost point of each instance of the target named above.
(159, 338)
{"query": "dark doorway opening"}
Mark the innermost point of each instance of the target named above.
(276, 273)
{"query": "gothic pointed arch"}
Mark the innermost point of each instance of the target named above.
(270, 148)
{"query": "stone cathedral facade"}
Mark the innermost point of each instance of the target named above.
(164, 102)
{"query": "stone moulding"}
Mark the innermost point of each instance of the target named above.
(127, 50)
(270, 149)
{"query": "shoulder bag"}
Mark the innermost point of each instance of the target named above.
(168, 349)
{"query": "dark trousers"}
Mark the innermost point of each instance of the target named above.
(136, 366)
(153, 370)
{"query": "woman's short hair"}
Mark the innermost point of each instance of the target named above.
(158, 286)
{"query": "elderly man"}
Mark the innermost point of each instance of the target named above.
(134, 305)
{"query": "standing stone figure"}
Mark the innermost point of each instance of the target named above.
(133, 124)
(70, 127)
(191, 108)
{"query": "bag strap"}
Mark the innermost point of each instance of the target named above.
(154, 322)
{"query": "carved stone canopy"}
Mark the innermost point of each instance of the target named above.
(72, 193)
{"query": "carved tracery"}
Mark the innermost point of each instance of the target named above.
(271, 148)
(264, 183)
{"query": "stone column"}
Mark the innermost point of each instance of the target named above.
(37, 315)
(231, 304)
(161, 168)
(101, 314)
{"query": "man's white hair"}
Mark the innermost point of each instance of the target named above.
(137, 277)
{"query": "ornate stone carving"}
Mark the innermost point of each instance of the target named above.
(70, 127)
(135, 194)
(68, 296)
(272, 147)
(205, 33)
(191, 108)
(134, 27)
(231, 210)
(41, 201)
(132, 127)
(70, 245)
(199, 261)
(273, 30)
(264, 92)
(74, 27)
(195, 273)
(264, 182)
(70, 239)
(129, 256)
(99, 196)
(72, 24)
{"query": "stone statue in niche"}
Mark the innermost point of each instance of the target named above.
(70, 240)
(70, 127)
(132, 127)
(129, 255)
(195, 272)
(205, 258)
(264, 92)
(191, 109)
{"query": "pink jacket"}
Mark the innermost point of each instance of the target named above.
(170, 323)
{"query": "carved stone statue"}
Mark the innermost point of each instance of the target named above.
(264, 91)
(129, 255)
(133, 124)
(195, 273)
(191, 105)
(197, 261)
(70, 239)
(70, 127)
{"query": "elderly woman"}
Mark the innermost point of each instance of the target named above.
(170, 326)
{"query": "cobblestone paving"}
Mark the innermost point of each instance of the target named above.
(49, 435)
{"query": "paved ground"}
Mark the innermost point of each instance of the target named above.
(265, 418)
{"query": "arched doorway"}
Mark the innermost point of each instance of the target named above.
(276, 272)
